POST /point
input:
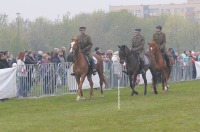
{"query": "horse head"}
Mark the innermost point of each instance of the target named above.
(74, 45)
(123, 53)
(153, 47)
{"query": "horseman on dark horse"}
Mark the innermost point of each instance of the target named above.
(138, 42)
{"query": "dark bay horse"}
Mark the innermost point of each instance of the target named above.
(81, 69)
(133, 67)
(161, 65)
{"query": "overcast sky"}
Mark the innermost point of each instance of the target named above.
(32, 9)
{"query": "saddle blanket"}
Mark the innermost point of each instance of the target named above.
(94, 59)
(146, 60)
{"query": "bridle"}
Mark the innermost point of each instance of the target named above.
(75, 51)
(127, 54)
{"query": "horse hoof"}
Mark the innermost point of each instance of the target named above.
(136, 92)
(101, 96)
(91, 97)
(164, 91)
(132, 94)
(155, 92)
(78, 98)
(166, 88)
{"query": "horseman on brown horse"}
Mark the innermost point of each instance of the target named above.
(84, 64)
(86, 46)
(164, 59)
(160, 38)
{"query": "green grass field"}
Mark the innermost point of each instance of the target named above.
(176, 111)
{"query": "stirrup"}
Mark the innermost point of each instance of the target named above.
(142, 71)
(125, 72)
(94, 72)
(72, 74)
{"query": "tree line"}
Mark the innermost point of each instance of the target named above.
(107, 30)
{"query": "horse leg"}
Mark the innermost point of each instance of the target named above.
(145, 83)
(102, 79)
(134, 80)
(89, 77)
(80, 87)
(79, 91)
(154, 80)
(165, 78)
(131, 84)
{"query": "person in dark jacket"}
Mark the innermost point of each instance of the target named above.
(30, 62)
(55, 58)
(3, 61)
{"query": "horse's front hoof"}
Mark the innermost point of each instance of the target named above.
(83, 98)
(145, 93)
(165, 91)
(78, 98)
(166, 88)
(152, 90)
(136, 92)
(101, 96)
(91, 97)
(156, 92)
(132, 94)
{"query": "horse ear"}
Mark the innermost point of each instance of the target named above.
(119, 46)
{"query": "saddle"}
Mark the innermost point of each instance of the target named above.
(94, 60)
(146, 60)
(166, 58)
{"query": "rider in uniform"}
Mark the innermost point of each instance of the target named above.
(86, 46)
(138, 42)
(160, 38)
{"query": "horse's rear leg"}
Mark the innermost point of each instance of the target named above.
(164, 85)
(145, 83)
(89, 77)
(154, 80)
(102, 79)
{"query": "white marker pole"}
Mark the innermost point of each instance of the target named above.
(118, 94)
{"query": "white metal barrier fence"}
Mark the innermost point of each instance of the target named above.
(52, 79)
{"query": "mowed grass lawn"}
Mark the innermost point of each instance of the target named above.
(176, 111)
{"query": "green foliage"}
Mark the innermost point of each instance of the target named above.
(106, 29)
(176, 111)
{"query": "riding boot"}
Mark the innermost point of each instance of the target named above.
(92, 66)
(142, 67)
(72, 74)
(125, 71)
(167, 60)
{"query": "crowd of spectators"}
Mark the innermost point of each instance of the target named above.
(27, 61)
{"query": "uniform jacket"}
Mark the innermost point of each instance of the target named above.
(160, 39)
(85, 42)
(138, 43)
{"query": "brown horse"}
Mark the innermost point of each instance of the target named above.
(81, 69)
(161, 65)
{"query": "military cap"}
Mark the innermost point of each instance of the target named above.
(97, 48)
(159, 27)
(137, 30)
(82, 27)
